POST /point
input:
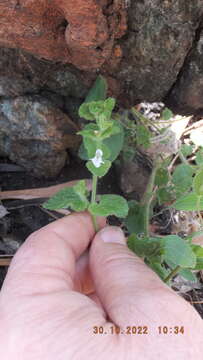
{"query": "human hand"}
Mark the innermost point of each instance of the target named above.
(45, 314)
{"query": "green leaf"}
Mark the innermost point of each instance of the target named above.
(99, 171)
(188, 203)
(182, 177)
(90, 146)
(109, 104)
(143, 136)
(198, 250)
(186, 149)
(98, 91)
(188, 275)
(166, 114)
(199, 157)
(135, 219)
(111, 130)
(162, 177)
(198, 183)
(82, 152)
(178, 251)
(85, 113)
(165, 195)
(145, 247)
(159, 269)
(115, 143)
(71, 197)
(199, 264)
(96, 108)
(110, 205)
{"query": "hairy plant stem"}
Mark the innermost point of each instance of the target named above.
(147, 198)
(172, 273)
(93, 200)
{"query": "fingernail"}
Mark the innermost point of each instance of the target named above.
(112, 234)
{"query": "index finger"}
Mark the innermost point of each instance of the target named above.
(46, 261)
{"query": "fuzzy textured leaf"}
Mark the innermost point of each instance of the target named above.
(98, 91)
(71, 197)
(178, 251)
(99, 171)
(188, 203)
(166, 114)
(198, 183)
(135, 219)
(182, 177)
(110, 205)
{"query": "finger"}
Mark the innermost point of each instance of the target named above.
(83, 279)
(128, 290)
(46, 261)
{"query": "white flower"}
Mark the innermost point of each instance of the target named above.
(97, 160)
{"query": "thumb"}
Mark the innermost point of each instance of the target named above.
(127, 288)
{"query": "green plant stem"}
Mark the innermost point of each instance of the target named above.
(198, 211)
(147, 198)
(183, 159)
(93, 200)
(172, 273)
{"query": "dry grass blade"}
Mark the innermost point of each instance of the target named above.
(46, 192)
(5, 260)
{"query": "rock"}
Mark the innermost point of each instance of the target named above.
(22, 73)
(160, 34)
(35, 134)
(134, 175)
(187, 93)
(80, 32)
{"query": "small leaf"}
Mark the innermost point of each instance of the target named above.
(165, 195)
(85, 113)
(198, 183)
(135, 219)
(166, 114)
(198, 250)
(115, 143)
(188, 203)
(199, 157)
(110, 205)
(162, 177)
(182, 177)
(110, 104)
(143, 136)
(98, 91)
(188, 275)
(199, 264)
(96, 108)
(186, 149)
(159, 269)
(150, 248)
(70, 197)
(99, 171)
(178, 251)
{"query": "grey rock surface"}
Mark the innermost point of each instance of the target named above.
(22, 73)
(35, 134)
(187, 94)
(160, 35)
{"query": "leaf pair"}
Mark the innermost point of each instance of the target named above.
(75, 198)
